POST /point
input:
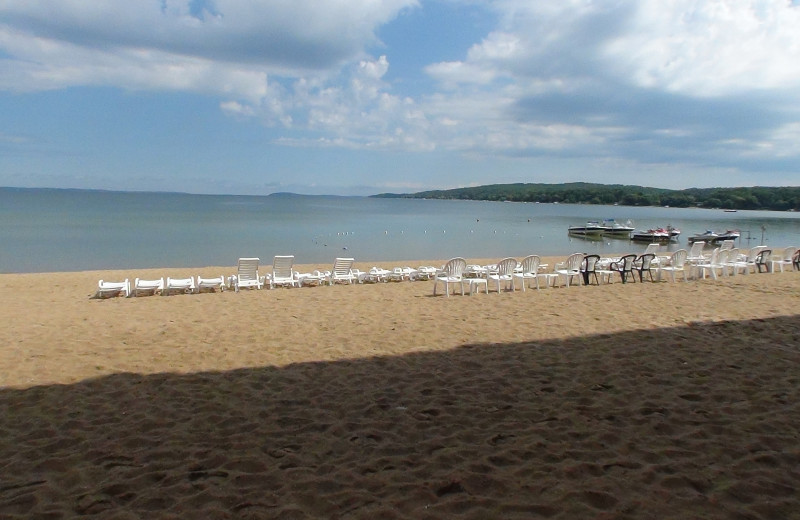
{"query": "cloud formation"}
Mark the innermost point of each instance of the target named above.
(695, 83)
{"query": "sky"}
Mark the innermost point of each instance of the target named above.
(357, 97)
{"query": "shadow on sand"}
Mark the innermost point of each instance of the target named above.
(702, 423)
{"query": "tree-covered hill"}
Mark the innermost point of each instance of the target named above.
(765, 198)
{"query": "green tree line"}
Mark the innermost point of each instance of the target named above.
(755, 198)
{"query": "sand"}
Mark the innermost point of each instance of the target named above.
(653, 400)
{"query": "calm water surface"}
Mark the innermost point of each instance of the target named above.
(64, 230)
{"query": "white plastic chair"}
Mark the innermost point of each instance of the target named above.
(451, 273)
(735, 262)
(719, 258)
(107, 289)
(529, 270)
(570, 268)
(676, 263)
(247, 274)
(184, 285)
(504, 273)
(282, 273)
(211, 284)
(147, 286)
(750, 262)
(784, 259)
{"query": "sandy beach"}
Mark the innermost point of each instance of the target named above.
(646, 400)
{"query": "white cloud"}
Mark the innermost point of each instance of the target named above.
(223, 46)
(577, 78)
(709, 48)
(594, 78)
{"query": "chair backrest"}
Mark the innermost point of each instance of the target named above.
(763, 256)
(714, 257)
(149, 284)
(455, 267)
(726, 244)
(651, 249)
(282, 267)
(789, 253)
(678, 259)
(574, 261)
(530, 264)
(589, 263)
(645, 260)
(626, 262)
(247, 269)
(753, 253)
(722, 256)
(342, 266)
(506, 266)
(697, 249)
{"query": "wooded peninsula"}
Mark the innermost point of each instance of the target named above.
(753, 198)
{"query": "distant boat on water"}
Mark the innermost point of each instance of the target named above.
(712, 237)
(590, 229)
(613, 229)
(657, 235)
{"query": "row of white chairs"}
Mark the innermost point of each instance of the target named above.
(695, 263)
(163, 286)
(248, 276)
(342, 271)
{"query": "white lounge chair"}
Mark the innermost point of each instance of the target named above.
(316, 277)
(211, 284)
(425, 272)
(247, 274)
(377, 274)
(107, 289)
(181, 285)
(147, 286)
(341, 272)
(282, 273)
(451, 273)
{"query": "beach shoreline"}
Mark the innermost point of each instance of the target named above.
(638, 400)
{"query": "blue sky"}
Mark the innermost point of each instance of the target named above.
(369, 96)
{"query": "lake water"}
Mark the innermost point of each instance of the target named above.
(65, 230)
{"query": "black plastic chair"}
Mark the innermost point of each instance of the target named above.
(589, 268)
(624, 266)
(763, 260)
(644, 264)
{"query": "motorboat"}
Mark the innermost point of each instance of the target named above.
(657, 235)
(591, 229)
(613, 229)
(712, 237)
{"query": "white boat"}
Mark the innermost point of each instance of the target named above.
(614, 229)
(591, 229)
